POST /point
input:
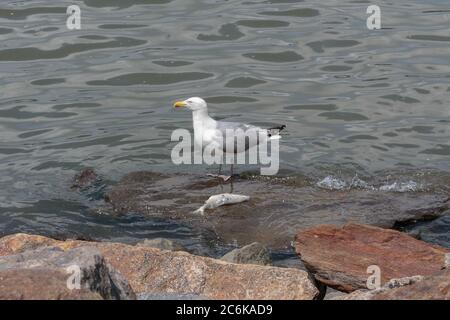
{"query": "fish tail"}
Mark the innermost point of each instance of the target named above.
(200, 210)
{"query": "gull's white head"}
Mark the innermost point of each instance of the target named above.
(194, 104)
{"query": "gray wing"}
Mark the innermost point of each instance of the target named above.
(249, 135)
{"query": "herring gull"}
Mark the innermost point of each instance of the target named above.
(208, 131)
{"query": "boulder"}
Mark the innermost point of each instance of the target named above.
(46, 273)
(340, 256)
(277, 210)
(435, 287)
(254, 253)
(161, 243)
(40, 284)
(154, 271)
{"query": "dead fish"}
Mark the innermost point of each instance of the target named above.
(220, 200)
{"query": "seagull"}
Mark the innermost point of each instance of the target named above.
(208, 131)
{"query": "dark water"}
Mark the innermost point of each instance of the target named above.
(357, 103)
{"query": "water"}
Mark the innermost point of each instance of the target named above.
(357, 103)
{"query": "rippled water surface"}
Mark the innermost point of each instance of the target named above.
(372, 104)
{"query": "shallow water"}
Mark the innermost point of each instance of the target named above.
(359, 105)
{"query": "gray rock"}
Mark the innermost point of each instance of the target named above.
(254, 253)
(432, 231)
(332, 294)
(161, 243)
(43, 274)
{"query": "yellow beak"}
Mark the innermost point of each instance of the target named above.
(179, 104)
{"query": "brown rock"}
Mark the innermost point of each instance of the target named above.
(43, 274)
(153, 271)
(40, 284)
(365, 294)
(340, 256)
(84, 179)
(435, 287)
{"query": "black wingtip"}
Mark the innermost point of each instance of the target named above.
(278, 128)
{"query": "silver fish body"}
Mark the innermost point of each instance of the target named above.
(220, 200)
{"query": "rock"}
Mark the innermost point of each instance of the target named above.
(254, 253)
(154, 271)
(365, 294)
(40, 284)
(168, 296)
(447, 260)
(289, 262)
(278, 207)
(435, 287)
(340, 256)
(161, 243)
(432, 231)
(84, 178)
(43, 274)
(332, 294)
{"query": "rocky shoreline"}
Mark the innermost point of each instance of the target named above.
(355, 255)
(36, 267)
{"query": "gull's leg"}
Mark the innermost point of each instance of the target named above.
(231, 175)
(219, 175)
(225, 178)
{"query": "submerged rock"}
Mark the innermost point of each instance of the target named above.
(254, 253)
(161, 243)
(340, 256)
(153, 271)
(84, 178)
(278, 207)
(44, 273)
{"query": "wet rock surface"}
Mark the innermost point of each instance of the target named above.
(153, 271)
(254, 253)
(44, 273)
(278, 207)
(340, 256)
(434, 231)
(84, 179)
